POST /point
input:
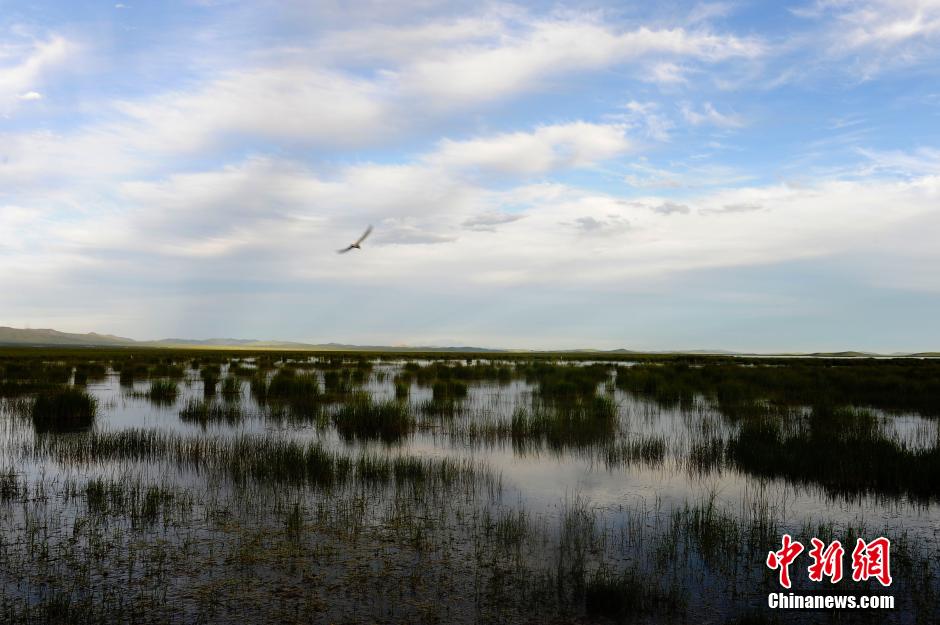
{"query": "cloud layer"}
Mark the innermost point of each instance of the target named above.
(513, 162)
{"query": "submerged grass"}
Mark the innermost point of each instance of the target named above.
(625, 596)
(261, 459)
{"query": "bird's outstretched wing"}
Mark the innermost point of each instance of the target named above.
(344, 250)
(364, 235)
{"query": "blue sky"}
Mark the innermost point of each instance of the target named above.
(742, 175)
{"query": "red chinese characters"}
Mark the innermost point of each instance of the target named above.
(826, 563)
(869, 560)
(872, 559)
(783, 558)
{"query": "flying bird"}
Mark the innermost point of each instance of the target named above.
(355, 246)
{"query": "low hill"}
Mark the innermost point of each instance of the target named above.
(53, 338)
(44, 337)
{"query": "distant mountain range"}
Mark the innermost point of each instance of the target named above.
(54, 338)
(17, 336)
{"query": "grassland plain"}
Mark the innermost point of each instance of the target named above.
(234, 486)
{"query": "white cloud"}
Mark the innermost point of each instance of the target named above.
(24, 66)
(665, 73)
(488, 221)
(710, 116)
(547, 148)
(897, 162)
(743, 207)
(523, 61)
(406, 43)
(706, 175)
(609, 224)
(646, 116)
(706, 11)
(289, 105)
(267, 218)
(250, 174)
(411, 235)
(879, 34)
(285, 103)
(889, 23)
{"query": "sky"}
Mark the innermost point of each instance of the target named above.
(759, 176)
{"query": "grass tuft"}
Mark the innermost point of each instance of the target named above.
(64, 410)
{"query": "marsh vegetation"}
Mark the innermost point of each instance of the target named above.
(155, 486)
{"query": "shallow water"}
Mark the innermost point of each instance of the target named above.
(542, 477)
(536, 478)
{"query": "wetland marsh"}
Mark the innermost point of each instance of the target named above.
(160, 486)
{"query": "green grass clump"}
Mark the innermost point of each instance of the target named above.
(338, 381)
(585, 422)
(56, 373)
(64, 410)
(210, 378)
(163, 391)
(204, 412)
(231, 388)
(168, 370)
(450, 390)
(90, 371)
(565, 383)
(288, 385)
(667, 386)
(298, 393)
(402, 390)
(131, 372)
(747, 388)
(259, 387)
(843, 451)
(363, 419)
